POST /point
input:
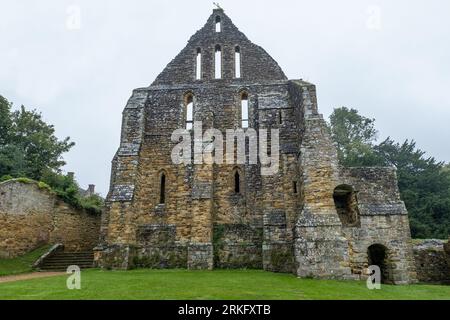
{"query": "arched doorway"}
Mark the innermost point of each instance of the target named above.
(379, 255)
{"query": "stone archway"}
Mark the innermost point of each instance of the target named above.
(378, 255)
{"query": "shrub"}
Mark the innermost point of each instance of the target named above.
(5, 178)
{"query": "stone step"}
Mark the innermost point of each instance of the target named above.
(54, 269)
(67, 262)
(71, 258)
(61, 261)
(65, 265)
(75, 254)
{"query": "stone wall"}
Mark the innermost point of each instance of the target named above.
(31, 216)
(321, 250)
(347, 212)
(76, 229)
(198, 196)
(383, 221)
(257, 65)
(288, 221)
(447, 251)
(432, 261)
(237, 246)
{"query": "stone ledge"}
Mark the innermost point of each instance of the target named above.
(122, 192)
(374, 209)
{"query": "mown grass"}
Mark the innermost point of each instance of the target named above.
(21, 264)
(218, 284)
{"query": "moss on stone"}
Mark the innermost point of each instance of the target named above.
(218, 244)
(281, 260)
(43, 186)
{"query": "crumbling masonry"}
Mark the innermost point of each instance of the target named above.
(313, 218)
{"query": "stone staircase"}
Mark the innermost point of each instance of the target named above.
(60, 261)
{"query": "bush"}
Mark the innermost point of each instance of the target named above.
(66, 188)
(5, 178)
(25, 180)
(92, 204)
(44, 186)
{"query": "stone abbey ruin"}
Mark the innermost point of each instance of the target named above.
(311, 218)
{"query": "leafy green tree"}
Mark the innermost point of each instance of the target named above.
(28, 145)
(355, 136)
(12, 161)
(42, 149)
(5, 120)
(447, 167)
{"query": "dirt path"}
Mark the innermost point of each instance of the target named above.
(27, 276)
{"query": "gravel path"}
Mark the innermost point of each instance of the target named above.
(27, 276)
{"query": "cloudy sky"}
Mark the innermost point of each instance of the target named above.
(78, 61)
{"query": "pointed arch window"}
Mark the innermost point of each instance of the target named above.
(218, 24)
(162, 188)
(237, 182)
(198, 69)
(218, 62)
(244, 110)
(237, 62)
(189, 111)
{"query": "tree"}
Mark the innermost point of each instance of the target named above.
(447, 167)
(355, 136)
(12, 161)
(5, 120)
(28, 145)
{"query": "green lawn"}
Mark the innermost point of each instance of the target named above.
(218, 284)
(21, 264)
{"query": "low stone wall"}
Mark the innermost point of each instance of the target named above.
(77, 229)
(447, 251)
(432, 261)
(237, 246)
(31, 216)
(116, 256)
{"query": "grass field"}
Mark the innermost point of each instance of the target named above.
(21, 264)
(218, 284)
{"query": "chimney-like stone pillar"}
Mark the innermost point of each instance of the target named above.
(91, 189)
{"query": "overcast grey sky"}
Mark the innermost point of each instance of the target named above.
(388, 59)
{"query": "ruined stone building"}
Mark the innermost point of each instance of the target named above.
(312, 218)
